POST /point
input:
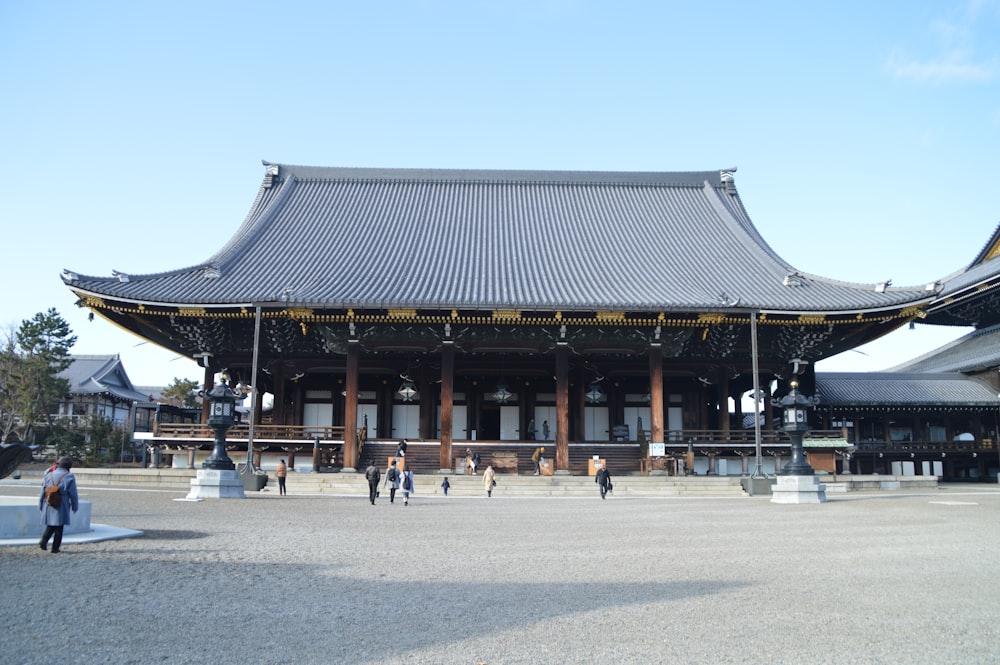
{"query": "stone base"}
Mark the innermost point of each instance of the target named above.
(20, 518)
(216, 484)
(798, 489)
(756, 485)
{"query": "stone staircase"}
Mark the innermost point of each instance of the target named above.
(513, 485)
(427, 484)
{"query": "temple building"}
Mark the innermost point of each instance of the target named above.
(98, 387)
(607, 311)
(938, 414)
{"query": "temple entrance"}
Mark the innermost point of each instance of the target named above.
(405, 421)
(489, 423)
(509, 427)
(595, 424)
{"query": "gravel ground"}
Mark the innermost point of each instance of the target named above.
(880, 578)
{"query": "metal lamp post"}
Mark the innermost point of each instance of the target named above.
(796, 424)
(222, 408)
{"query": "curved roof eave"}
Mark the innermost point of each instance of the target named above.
(434, 239)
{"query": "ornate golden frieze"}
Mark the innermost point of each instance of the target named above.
(506, 314)
(299, 313)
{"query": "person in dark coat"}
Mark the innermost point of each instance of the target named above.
(54, 519)
(373, 475)
(400, 450)
(603, 479)
(473, 459)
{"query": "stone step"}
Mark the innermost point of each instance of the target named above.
(518, 485)
(514, 485)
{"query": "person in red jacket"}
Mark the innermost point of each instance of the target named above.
(281, 472)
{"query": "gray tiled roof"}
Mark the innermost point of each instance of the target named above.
(897, 389)
(977, 351)
(441, 239)
(99, 375)
(969, 297)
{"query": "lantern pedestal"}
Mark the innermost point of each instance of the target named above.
(216, 484)
(798, 489)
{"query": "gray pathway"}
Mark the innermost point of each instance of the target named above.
(881, 578)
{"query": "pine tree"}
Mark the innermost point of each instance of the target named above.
(30, 363)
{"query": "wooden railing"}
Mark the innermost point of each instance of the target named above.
(918, 446)
(710, 437)
(297, 433)
(241, 431)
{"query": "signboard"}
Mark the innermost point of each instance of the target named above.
(657, 449)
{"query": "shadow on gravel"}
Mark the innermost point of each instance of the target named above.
(432, 616)
(173, 534)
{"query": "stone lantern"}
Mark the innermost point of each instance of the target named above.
(221, 416)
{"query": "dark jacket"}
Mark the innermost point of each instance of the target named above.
(373, 474)
(603, 478)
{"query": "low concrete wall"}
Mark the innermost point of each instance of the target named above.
(856, 483)
(169, 479)
(20, 518)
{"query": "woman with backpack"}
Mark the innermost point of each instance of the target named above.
(392, 478)
(56, 504)
(407, 486)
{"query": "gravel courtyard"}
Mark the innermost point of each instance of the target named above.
(874, 578)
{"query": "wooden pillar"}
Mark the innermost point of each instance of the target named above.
(723, 400)
(579, 429)
(447, 399)
(427, 405)
(768, 408)
(351, 407)
(209, 384)
(562, 406)
(656, 394)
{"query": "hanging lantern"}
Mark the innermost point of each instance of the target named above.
(407, 391)
(594, 395)
(502, 395)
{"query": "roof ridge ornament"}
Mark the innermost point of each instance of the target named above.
(271, 172)
(727, 179)
(792, 279)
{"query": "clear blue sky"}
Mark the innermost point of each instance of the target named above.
(866, 133)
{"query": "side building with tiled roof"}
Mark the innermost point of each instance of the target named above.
(941, 408)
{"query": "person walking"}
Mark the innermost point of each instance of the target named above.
(372, 475)
(281, 472)
(400, 450)
(536, 458)
(489, 480)
(545, 430)
(445, 485)
(603, 480)
(55, 518)
(392, 480)
(473, 459)
(408, 487)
